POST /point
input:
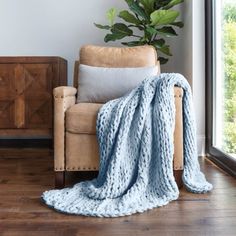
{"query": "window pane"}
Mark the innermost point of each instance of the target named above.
(225, 76)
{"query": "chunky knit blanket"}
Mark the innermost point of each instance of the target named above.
(135, 135)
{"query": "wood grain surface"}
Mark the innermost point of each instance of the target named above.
(26, 100)
(22, 180)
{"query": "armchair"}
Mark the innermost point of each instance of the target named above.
(75, 144)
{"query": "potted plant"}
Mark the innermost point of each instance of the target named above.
(151, 19)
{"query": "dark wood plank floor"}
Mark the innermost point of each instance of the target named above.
(22, 180)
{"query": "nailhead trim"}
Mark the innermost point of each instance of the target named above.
(58, 168)
(178, 167)
(80, 168)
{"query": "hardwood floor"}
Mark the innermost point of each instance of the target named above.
(22, 180)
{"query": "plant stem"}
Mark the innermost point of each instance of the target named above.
(136, 36)
(154, 37)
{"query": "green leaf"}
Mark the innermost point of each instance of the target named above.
(172, 3)
(158, 43)
(151, 30)
(167, 31)
(148, 34)
(129, 2)
(148, 5)
(128, 17)
(113, 37)
(178, 24)
(136, 9)
(166, 50)
(163, 60)
(119, 31)
(107, 27)
(140, 27)
(120, 28)
(133, 43)
(163, 17)
(111, 14)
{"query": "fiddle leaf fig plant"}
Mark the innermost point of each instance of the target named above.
(146, 22)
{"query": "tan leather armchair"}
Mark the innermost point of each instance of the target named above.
(75, 144)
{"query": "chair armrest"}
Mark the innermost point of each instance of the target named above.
(64, 98)
(64, 91)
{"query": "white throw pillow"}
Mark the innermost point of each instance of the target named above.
(101, 84)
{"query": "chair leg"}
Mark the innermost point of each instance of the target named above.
(178, 178)
(59, 179)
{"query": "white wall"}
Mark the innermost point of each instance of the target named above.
(51, 27)
(59, 28)
(198, 60)
(189, 59)
(181, 46)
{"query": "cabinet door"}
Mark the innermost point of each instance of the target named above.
(38, 95)
(7, 95)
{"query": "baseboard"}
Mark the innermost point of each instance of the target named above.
(26, 143)
(201, 145)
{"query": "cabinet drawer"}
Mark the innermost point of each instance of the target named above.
(26, 95)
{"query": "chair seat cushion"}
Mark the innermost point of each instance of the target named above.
(81, 118)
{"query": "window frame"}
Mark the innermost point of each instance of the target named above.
(217, 156)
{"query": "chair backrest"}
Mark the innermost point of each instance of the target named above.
(116, 57)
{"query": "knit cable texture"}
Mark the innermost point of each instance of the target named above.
(135, 136)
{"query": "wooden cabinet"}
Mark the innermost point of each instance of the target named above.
(26, 101)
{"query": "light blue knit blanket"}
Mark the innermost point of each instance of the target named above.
(135, 135)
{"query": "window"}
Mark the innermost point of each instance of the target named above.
(221, 82)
